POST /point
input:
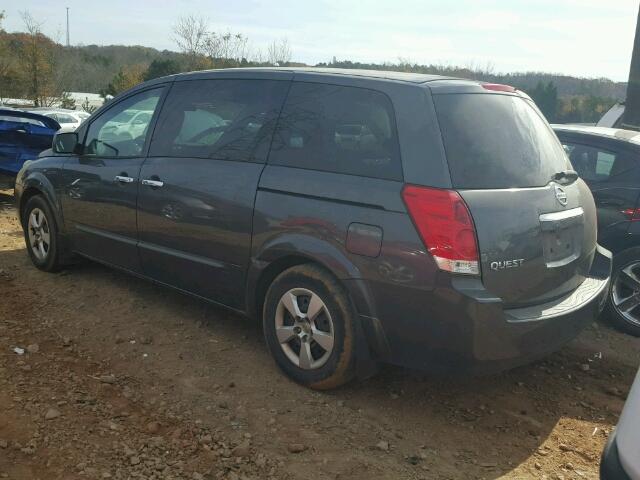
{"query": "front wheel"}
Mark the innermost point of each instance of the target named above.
(623, 306)
(308, 327)
(41, 234)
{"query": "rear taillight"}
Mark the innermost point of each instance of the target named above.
(632, 214)
(445, 226)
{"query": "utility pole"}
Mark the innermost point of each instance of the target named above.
(631, 116)
(68, 44)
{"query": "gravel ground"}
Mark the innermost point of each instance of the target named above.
(122, 379)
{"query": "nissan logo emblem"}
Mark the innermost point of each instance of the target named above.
(561, 196)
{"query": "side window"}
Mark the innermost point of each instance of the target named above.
(596, 164)
(122, 130)
(220, 119)
(338, 129)
(63, 118)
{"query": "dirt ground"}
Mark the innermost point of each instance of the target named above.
(124, 379)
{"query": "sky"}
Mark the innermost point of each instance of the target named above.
(585, 38)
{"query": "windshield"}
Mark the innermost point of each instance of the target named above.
(497, 141)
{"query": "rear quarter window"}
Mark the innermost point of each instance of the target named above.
(497, 141)
(338, 129)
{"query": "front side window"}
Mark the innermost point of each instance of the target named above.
(122, 130)
(338, 129)
(219, 119)
(595, 164)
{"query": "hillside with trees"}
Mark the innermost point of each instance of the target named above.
(35, 67)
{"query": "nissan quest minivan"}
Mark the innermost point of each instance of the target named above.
(363, 217)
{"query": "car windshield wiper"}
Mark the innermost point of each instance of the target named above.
(565, 176)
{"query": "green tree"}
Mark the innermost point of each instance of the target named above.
(128, 76)
(66, 101)
(161, 68)
(546, 98)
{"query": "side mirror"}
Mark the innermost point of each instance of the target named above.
(66, 142)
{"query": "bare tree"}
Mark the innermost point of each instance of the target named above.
(279, 52)
(191, 33)
(227, 46)
(38, 62)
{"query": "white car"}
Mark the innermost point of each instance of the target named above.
(613, 117)
(621, 457)
(69, 120)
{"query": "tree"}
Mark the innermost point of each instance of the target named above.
(87, 107)
(191, 33)
(279, 53)
(546, 98)
(8, 74)
(161, 68)
(37, 63)
(227, 46)
(66, 101)
(127, 77)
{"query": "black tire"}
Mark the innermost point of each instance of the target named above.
(339, 366)
(51, 261)
(622, 261)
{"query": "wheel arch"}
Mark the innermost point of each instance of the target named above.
(287, 251)
(38, 184)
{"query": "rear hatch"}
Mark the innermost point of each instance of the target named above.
(536, 230)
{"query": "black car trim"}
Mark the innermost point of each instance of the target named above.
(186, 256)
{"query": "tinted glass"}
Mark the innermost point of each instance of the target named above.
(63, 118)
(338, 129)
(116, 133)
(17, 120)
(497, 141)
(598, 165)
(221, 119)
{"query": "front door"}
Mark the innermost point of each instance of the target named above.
(198, 184)
(613, 174)
(101, 184)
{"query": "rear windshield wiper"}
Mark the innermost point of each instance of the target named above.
(565, 176)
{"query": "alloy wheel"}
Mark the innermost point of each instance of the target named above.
(39, 234)
(625, 293)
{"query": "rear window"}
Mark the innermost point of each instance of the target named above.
(497, 141)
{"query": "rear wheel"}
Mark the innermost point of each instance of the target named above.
(623, 306)
(41, 234)
(308, 326)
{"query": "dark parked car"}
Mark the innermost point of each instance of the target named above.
(22, 137)
(608, 160)
(365, 217)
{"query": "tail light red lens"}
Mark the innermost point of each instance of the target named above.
(445, 226)
(498, 87)
(632, 214)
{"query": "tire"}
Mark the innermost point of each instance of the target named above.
(625, 265)
(39, 223)
(309, 286)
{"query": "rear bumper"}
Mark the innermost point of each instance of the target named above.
(460, 326)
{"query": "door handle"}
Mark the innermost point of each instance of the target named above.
(152, 183)
(123, 179)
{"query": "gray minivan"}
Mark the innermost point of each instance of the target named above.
(362, 216)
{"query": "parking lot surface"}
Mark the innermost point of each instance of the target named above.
(120, 378)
